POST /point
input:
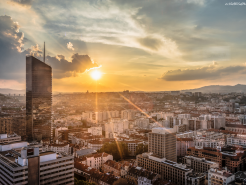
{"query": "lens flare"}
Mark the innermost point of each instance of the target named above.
(96, 75)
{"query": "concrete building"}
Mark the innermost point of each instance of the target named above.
(231, 157)
(216, 176)
(11, 125)
(59, 129)
(162, 143)
(132, 146)
(138, 175)
(31, 167)
(95, 160)
(182, 145)
(169, 170)
(95, 131)
(116, 126)
(142, 122)
(58, 148)
(116, 168)
(8, 138)
(199, 164)
(195, 178)
(128, 114)
(239, 139)
(212, 143)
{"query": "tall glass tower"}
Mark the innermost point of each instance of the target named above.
(38, 99)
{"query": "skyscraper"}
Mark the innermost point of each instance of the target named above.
(38, 99)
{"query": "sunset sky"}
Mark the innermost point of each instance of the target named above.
(139, 45)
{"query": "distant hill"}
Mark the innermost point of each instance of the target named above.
(12, 91)
(219, 89)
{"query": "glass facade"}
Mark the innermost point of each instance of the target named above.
(38, 99)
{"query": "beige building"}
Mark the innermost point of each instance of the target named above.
(169, 170)
(162, 143)
(183, 144)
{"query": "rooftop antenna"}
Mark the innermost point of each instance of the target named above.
(44, 52)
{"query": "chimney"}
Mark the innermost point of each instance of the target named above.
(36, 151)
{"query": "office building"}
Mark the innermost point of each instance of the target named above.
(38, 99)
(162, 143)
(31, 167)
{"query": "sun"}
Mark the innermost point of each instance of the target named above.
(96, 75)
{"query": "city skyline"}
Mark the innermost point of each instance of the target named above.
(135, 45)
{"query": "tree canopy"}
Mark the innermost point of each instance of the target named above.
(119, 150)
(81, 182)
(141, 148)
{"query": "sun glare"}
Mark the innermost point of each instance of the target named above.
(96, 75)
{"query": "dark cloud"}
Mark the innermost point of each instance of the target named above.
(205, 73)
(150, 42)
(63, 68)
(23, 2)
(13, 56)
(11, 46)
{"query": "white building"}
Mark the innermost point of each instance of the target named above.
(58, 148)
(210, 143)
(96, 160)
(216, 176)
(142, 122)
(116, 126)
(95, 131)
(237, 140)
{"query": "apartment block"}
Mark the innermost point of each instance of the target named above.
(162, 143)
(169, 170)
(183, 144)
(232, 157)
(200, 165)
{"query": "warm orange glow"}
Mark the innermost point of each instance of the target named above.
(96, 75)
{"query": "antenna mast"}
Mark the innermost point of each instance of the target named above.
(44, 52)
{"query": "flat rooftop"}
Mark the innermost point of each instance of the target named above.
(46, 153)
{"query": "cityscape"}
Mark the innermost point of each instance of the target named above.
(122, 92)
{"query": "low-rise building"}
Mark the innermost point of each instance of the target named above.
(58, 148)
(199, 164)
(139, 175)
(216, 176)
(95, 160)
(195, 178)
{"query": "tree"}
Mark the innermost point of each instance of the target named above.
(141, 148)
(119, 150)
(121, 182)
(81, 182)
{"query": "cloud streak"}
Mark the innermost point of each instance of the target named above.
(204, 73)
